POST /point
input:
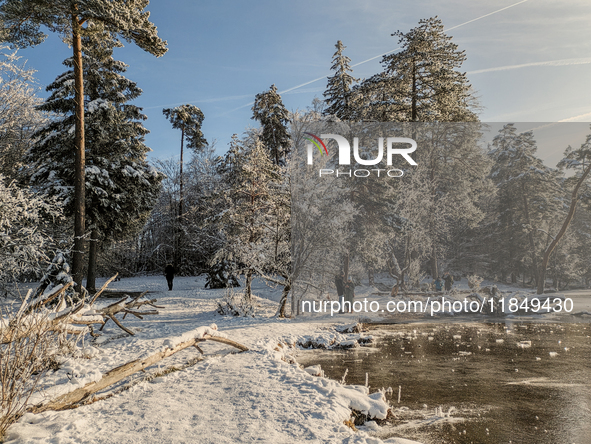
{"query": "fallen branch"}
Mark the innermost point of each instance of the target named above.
(225, 341)
(40, 303)
(126, 330)
(70, 400)
(103, 288)
(71, 318)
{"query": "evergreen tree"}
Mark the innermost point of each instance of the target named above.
(421, 82)
(371, 100)
(21, 22)
(247, 218)
(338, 89)
(121, 187)
(187, 118)
(454, 168)
(269, 110)
(527, 196)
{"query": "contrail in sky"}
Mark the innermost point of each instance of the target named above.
(386, 53)
(213, 100)
(563, 62)
(575, 118)
(486, 15)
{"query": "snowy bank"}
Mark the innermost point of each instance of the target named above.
(258, 395)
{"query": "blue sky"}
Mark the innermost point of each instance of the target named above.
(529, 61)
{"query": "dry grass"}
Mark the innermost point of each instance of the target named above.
(29, 349)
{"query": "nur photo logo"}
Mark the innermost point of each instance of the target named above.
(401, 146)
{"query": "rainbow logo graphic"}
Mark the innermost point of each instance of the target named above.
(316, 142)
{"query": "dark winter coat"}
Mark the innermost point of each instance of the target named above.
(349, 291)
(169, 271)
(438, 284)
(339, 282)
(449, 280)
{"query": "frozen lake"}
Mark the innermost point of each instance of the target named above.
(476, 383)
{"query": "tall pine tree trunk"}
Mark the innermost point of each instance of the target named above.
(178, 230)
(79, 184)
(92, 254)
(181, 177)
(283, 300)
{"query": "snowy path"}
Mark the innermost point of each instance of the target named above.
(236, 398)
(252, 396)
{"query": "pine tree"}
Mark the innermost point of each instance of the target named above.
(338, 89)
(454, 168)
(247, 217)
(21, 22)
(527, 193)
(322, 216)
(421, 82)
(371, 100)
(121, 187)
(187, 118)
(269, 110)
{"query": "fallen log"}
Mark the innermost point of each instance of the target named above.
(226, 341)
(69, 319)
(72, 399)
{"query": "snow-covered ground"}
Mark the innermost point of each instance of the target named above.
(259, 395)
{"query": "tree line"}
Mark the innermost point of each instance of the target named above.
(492, 211)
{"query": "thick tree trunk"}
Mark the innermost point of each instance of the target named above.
(248, 287)
(92, 255)
(79, 184)
(283, 301)
(566, 223)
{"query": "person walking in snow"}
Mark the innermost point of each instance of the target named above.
(169, 272)
(449, 281)
(438, 284)
(349, 292)
(339, 282)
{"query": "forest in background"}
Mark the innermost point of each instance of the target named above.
(493, 211)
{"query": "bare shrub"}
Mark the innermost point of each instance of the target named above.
(236, 304)
(29, 347)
